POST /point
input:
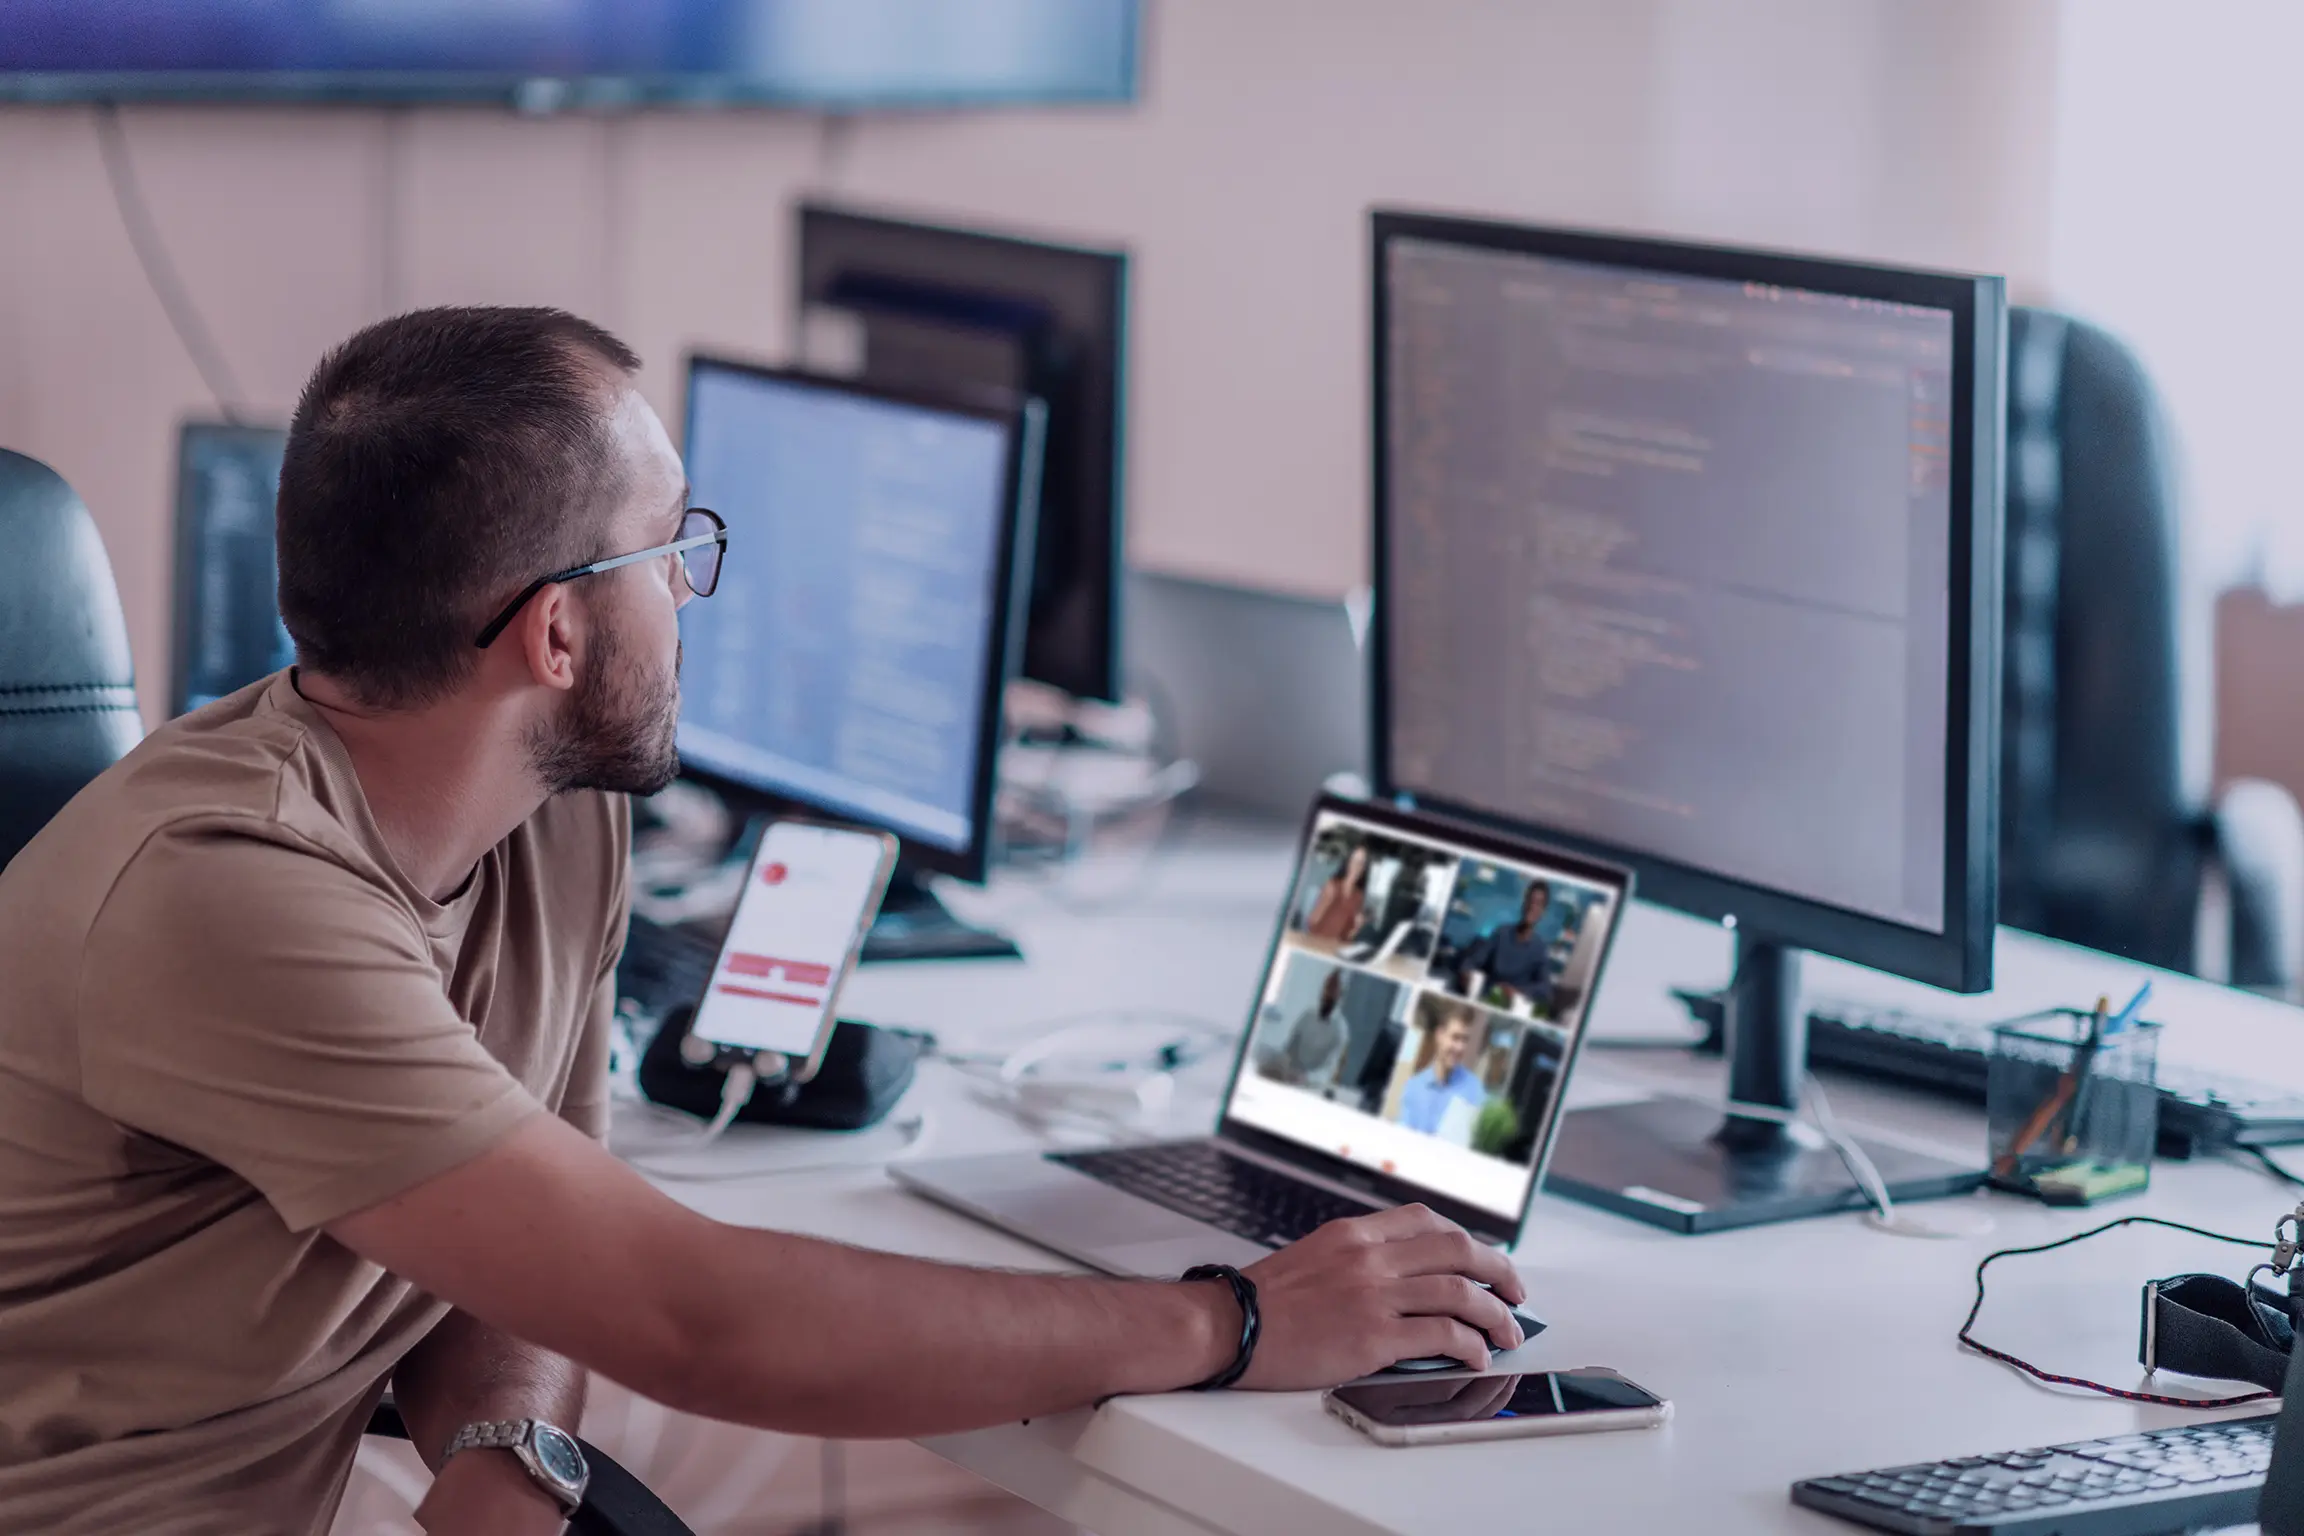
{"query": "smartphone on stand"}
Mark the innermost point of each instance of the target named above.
(809, 899)
(1500, 1405)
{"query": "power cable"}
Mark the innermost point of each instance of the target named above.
(160, 272)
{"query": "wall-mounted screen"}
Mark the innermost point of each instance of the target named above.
(549, 54)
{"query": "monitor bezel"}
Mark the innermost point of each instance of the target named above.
(191, 528)
(1959, 958)
(1101, 677)
(1019, 492)
(1487, 842)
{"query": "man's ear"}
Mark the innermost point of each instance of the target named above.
(547, 633)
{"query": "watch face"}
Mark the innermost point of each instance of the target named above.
(557, 1454)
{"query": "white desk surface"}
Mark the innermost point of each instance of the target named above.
(1788, 1351)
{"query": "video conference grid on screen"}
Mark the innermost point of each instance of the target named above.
(1420, 1010)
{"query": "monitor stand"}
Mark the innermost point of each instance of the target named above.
(1682, 1165)
(914, 925)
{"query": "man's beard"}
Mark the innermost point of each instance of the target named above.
(617, 734)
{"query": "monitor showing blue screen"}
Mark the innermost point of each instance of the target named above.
(547, 53)
(845, 659)
(227, 631)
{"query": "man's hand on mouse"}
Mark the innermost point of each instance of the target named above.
(1360, 1293)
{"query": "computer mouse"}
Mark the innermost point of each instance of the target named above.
(1529, 1328)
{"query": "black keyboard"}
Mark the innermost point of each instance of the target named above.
(2199, 1111)
(1209, 1184)
(2129, 1485)
(667, 966)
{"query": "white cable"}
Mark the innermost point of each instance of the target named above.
(735, 1092)
(1098, 1095)
(1047, 1033)
(1885, 1214)
(916, 1129)
(1888, 1217)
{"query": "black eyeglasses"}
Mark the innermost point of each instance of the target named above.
(703, 540)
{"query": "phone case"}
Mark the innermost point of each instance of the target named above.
(1499, 1429)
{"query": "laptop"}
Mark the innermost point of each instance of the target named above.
(1422, 1005)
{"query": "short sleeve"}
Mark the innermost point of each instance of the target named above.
(274, 1012)
(585, 1103)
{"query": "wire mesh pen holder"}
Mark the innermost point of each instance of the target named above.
(2072, 1112)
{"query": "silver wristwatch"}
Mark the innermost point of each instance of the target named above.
(553, 1458)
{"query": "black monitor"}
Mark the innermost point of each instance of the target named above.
(227, 614)
(919, 306)
(1689, 557)
(852, 661)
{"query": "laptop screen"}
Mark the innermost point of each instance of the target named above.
(1422, 1007)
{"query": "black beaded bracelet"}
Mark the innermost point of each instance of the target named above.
(1251, 1322)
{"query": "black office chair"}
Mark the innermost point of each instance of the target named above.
(2106, 841)
(67, 690)
(68, 712)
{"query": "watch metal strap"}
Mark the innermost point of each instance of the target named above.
(490, 1435)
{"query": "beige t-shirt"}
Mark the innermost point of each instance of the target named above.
(226, 1019)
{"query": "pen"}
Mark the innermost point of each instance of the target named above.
(2082, 1059)
(2099, 1032)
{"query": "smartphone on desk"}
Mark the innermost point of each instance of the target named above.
(809, 898)
(1500, 1405)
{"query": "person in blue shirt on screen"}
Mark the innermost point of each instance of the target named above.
(1426, 1098)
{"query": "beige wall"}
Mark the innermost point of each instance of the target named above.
(1916, 131)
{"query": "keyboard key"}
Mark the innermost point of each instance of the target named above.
(1201, 1180)
(2173, 1470)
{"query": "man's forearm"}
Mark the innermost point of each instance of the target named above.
(806, 1335)
(466, 1371)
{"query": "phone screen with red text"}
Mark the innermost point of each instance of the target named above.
(808, 898)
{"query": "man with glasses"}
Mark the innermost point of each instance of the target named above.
(304, 1011)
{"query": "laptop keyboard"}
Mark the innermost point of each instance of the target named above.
(1203, 1181)
(2157, 1480)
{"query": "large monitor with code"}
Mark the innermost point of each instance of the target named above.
(1689, 557)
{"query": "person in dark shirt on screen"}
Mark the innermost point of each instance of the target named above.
(1516, 958)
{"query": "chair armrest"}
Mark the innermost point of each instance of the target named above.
(615, 1502)
(2258, 848)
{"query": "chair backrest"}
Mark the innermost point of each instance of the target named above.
(2100, 842)
(67, 688)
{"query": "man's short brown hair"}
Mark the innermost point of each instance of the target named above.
(440, 461)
